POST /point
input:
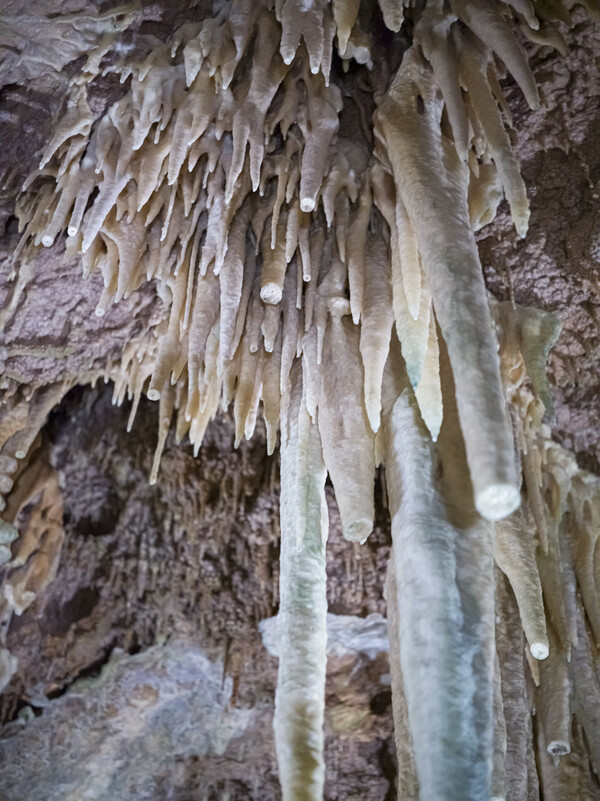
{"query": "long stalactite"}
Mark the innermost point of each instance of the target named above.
(302, 620)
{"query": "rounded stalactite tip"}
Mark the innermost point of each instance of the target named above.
(358, 530)
(558, 748)
(539, 650)
(307, 204)
(153, 394)
(271, 293)
(497, 501)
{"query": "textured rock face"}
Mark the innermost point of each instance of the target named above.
(93, 745)
(194, 559)
(557, 266)
(134, 731)
(192, 562)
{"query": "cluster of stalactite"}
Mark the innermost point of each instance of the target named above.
(342, 290)
(30, 41)
(221, 174)
(31, 538)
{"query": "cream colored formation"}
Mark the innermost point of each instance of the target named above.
(342, 290)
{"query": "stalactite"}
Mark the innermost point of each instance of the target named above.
(376, 328)
(513, 677)
(555, 707)
(302, 628)
(442, 563)
(515, 556)
(433, 190)
(348, 442)
(408, 784)
(498, 780)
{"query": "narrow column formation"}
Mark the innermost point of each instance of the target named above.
(302, 619)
